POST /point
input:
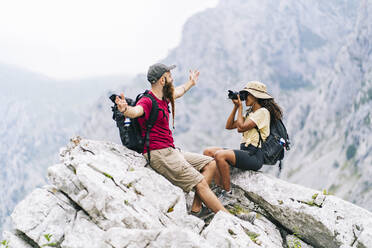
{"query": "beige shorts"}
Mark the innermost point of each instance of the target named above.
(180, 168)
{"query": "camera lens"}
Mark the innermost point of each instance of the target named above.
(243, 95)
(232, 95)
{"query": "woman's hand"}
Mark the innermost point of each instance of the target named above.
(237, 102)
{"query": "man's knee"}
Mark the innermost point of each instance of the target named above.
(211, 166)
(202, 185)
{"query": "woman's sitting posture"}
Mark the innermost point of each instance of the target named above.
(250, 157)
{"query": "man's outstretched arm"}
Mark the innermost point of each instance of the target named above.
(182, 89)
(128, 111)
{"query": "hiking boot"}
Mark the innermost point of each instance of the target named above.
(226, 197)
(250, 217)
(203, 212)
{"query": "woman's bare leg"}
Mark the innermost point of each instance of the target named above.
(223, 159)
(211, 151)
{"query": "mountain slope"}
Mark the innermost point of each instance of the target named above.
(39, 115)
(336, 139)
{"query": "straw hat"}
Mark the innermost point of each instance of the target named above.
(257, 89)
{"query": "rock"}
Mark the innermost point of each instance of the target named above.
(44, 215)
(100, 186)
(173, 236)
(294, 242)
(11, 240)
(182, 238)
(84, 233)
(111, 184)
(226, 230)
(329, 224)
(103, 196)
(119, 237)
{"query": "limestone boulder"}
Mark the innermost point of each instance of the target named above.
(320, 219)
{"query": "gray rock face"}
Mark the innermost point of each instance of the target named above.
(240, 233)
(102, 195)
(319, 219)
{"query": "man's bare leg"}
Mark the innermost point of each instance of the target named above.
(208, 197)
(208, 172)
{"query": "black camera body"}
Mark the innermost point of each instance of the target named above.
(234, 95)
(117, 115)
(129, 101)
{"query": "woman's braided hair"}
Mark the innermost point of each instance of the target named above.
(276, 112)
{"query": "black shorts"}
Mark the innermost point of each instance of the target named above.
(248, 158)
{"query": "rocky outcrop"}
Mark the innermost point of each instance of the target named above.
(102, 195)
(318, 218)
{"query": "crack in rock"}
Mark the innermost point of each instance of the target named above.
(86, 150)
(357, 231)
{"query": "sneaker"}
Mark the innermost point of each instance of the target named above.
(250, 217)
(226, 197)
(204, 211)
(217, 190)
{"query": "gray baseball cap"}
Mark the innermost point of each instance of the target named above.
(156, 71)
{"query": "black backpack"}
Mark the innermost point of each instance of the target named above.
(275, 144)
(129, 129)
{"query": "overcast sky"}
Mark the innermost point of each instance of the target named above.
(81, 38)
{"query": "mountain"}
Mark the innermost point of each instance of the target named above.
(39, 115)
(102, 195)
(315, 58)
(333, 137)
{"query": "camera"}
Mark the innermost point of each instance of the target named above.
(129, 101)
(234, 95)
(117, 115)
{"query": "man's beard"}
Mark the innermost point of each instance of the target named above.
(168, 92)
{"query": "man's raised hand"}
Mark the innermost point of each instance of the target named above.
(122, 104)
(194, 75)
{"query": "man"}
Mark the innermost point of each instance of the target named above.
(184, 169)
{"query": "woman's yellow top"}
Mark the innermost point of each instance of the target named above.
(262, 119)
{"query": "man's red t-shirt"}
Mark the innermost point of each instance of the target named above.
(160, 134)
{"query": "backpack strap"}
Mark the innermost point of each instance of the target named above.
(260, 141)
(150, 122)
(287, 143)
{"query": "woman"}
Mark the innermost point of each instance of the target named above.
(262, 109)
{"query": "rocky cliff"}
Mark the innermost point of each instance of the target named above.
(101, 195)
